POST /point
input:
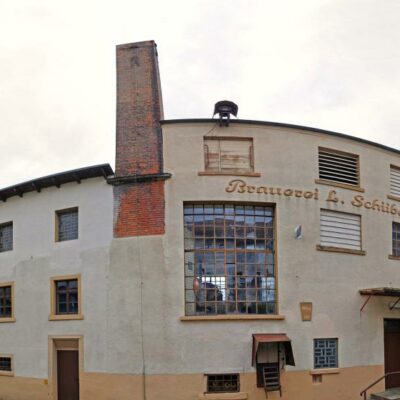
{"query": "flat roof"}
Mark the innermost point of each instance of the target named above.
(75, 175)
(281, 125)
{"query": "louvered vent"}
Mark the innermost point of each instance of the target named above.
(338, 167)
(340, 230)
(395, 181)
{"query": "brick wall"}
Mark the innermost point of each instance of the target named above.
(138, 207)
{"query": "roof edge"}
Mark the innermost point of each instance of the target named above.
(283, 125)
(57, 179)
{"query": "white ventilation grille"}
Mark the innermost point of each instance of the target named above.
(395, 181)
(338, 167)
(340, 230)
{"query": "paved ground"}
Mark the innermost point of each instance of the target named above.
(390, 394)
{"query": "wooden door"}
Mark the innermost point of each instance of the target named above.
(392, 351)
(68, 374)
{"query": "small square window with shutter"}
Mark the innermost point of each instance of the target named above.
(338, 167)
(6, 236)
(67, 224)
(225, 155)
(340, 230)
(394, 181)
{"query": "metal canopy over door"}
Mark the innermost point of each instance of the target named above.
(68, 374)
(392, 351)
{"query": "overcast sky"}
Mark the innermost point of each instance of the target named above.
(331, 64)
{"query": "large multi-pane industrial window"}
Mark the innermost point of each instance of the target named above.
(6, 236)
(229, 259)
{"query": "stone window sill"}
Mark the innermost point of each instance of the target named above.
(339, 185)
(392, 257)
(223, 396)
(340, 250)
(324, 371)
(230, 173)
(7, 319)
(6, 373)
(230, 317)
(65, 317)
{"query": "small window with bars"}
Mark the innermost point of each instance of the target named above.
(326, 353)
(5, 364)
(340, 230)
(67, 224)
(338, 167)
(396, 239)
(6, 236)
(6, 305)
(395, 181)
(225, 155)
(223, 383)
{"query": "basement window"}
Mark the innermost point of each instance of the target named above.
(67, 224)
(223, 383)
(6, 236)
(338, 167)
(6, 365)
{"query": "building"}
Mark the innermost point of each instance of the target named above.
(222, 254)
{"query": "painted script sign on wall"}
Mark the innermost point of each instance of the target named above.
(240, 186)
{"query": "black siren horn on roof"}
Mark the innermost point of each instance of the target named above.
(225, 108)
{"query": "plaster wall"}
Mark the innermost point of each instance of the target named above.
(286, 158)
(36, 257)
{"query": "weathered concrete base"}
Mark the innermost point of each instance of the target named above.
(296, 385)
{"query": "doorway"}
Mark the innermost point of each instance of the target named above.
(392, 351)
(68, 374)
(65, 354)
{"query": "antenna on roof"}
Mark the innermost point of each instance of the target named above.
(225, 108)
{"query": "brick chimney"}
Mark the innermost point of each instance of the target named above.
(139, 178)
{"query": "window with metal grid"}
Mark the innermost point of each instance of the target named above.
(67, 224)
(229, 259)
(5, 364)
(6, 236)
(341, 230)
(5, 301)
(326, 353)
(67, 296)
(396, 239)
(221, 383)
(228, 154)
(395, 181)
(338, 166)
